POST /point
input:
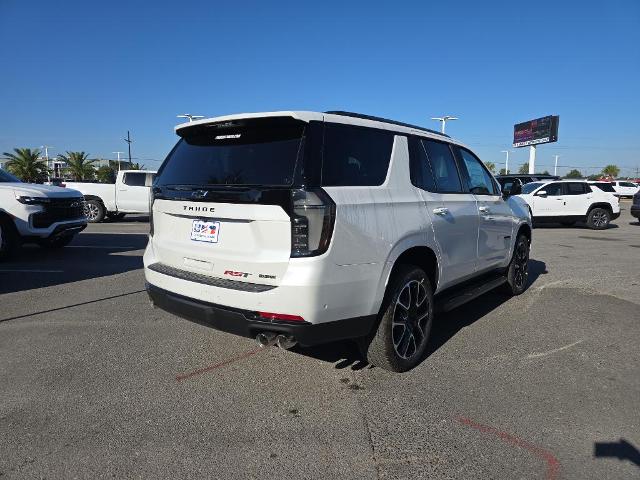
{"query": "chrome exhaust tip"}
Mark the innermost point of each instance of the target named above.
(286, 342)
(266, 339)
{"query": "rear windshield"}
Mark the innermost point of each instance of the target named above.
(7, 177)
(242, 153)
(605, 187)
(530, 187)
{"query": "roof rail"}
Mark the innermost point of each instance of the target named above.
(385, 120)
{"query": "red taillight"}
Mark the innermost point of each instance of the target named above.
(280, 316)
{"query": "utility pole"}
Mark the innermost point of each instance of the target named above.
(443, 121)
(555, 168)
(128, 140)
(118, 153)
(506, 167)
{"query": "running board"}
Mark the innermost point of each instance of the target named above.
(450, 300)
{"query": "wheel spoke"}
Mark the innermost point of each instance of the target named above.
(404, 343)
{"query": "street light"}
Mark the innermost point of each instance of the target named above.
(118, 153)
(506, 167)
(555, 168)
(190, 117)
(443, 121)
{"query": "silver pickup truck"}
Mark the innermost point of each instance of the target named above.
(130, 194)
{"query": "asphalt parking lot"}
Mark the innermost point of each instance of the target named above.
(96, 383)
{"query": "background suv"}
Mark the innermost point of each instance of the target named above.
(312, 227)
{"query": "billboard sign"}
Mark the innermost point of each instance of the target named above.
(533, 132)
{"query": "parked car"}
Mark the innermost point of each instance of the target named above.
(625, 189)
(48, 216)
(313, 227)
(508, 181)
(130, 194)
(635, 207)
(570, 201)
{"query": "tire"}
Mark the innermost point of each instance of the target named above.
(568, 224)
(518, 269)
(94, 211)
(598, 218)
(396, 345)
(9, 239)
(53, 243)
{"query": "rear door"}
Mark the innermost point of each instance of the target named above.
(551, 203)
(132, 194)
(495, 217)
(220, 200)
(577, 198)
(453, 212)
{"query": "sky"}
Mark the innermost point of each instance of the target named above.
(78, 74)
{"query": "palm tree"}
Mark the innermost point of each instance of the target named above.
(136, 166)
(27, 165)
(79, 165)
(490, 166)
(524, 168)
(611, 171)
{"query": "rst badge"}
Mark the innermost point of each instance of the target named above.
(203, 231)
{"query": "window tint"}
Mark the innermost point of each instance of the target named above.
(605, 187)
(355, 156)
(134, 179)
(480, 182)
(530, 187)
(553, 189)
(627, 184)
(7, 177)
(421, 174)
(575, 188)
(443, 166)
(260, 151)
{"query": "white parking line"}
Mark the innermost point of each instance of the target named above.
(22, 270)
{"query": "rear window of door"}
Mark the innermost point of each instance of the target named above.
(478, 178)
(355, 156)
(134, 179)
(421, 173)
(575, 188)
(443, 165)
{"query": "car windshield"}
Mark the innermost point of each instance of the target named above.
(530, 187)
(7, 177)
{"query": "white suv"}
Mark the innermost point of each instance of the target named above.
(48, 216)
(571, 201)
(312, 227)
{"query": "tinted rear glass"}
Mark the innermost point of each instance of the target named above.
(355, 156)
(605, 187)
(530, 187)
(443, 166)
(245, 152)
(7, 177)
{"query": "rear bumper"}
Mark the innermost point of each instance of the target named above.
(245, 323)
(635, 211)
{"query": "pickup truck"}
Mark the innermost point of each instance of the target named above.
(130, 194)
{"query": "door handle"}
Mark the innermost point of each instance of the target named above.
(441, 211)
(484, 209)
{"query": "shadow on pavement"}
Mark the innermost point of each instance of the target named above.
(90, 255)
(346, 353)
(621, 450)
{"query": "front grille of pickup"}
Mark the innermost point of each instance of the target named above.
(205, 279)
(59, 210)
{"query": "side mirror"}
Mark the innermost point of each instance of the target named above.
(542, 193)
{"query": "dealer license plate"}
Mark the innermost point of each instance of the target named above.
(203, 231)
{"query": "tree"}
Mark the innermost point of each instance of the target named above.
(78, 165)
(611, 171)
(574, 174)
(106, 174)
(491, 166)
(136, 166)
(27, 165)
(546, 172)
(524, 168)
(503, 171)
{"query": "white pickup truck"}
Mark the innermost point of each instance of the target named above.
(130, 194)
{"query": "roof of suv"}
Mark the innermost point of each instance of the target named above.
(331, 116)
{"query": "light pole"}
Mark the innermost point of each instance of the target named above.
(555, 168)
(506, 167)
(46, 156)
(443, 121)
(190, 117)
(118, 153)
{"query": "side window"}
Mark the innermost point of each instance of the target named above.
(575, 188)
(553, 189)
(443, 166)
(134, 179)
(421, 174)
(480, 182)
(627, 184)
(355, 156)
